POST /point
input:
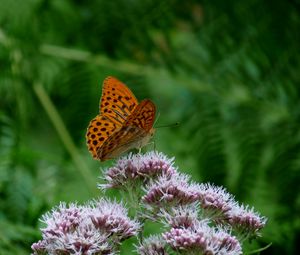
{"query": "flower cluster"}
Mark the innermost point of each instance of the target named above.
(153, 245)
(195, 218)
(112, 218)
(136, 167)
(202, 239)
(180, 216)
(173, 189)
(245, 220)
(214, 199)
(95, 228)
(197, 215)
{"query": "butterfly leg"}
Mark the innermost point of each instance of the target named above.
(154, 145)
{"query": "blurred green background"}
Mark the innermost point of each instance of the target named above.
(228, 71)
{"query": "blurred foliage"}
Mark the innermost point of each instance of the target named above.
(228, 71)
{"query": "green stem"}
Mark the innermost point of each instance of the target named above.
(65, 136)
(121, 65)
(260, 249)
(88, 57)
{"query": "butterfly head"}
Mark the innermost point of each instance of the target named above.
(151, 132)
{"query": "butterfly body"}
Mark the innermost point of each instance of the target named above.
(122, 124)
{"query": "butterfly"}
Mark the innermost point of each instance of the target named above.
(123, 122)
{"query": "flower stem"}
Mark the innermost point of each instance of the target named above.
(64, 135)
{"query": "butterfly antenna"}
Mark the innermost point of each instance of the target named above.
(158, 115)
(170, 125)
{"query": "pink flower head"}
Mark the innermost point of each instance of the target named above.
(202, 239)
(181, 216)
(153, 245)
(137, 167)
(63, 219)
(215, 201)
(76, 229)
(111, 217)
(246, 220)
(40, 247)
(170, 190)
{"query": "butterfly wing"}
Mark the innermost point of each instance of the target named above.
(98, 131)
(121, 141)
(117, 101)
(116, 104)
(134, 133)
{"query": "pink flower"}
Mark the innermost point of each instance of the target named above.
(111, 217)
(170, 190)
(202, 239)
(137, 167)
(95, 228)
(246, 220)
(181, 216)
(195, 218)
(153, 245)
(63, 220)
(215, 201)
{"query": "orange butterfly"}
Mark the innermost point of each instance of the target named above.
(122, 124)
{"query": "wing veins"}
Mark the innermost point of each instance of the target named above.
(114, 120)
(122, 110)
(116, 112)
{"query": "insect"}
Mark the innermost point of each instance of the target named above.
(122, 124)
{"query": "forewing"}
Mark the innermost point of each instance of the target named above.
(117, 101)
(98, 131)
